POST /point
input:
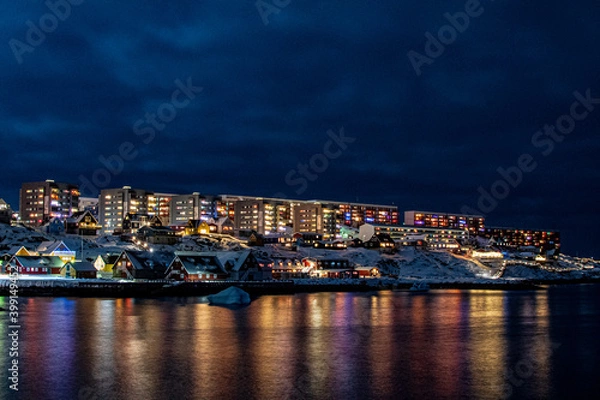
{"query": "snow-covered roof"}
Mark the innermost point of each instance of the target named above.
(151, 260)
(78, 216)
(235, 258)
(15, 249)
(108, 258)
(52, 246)
(161, 230)
(39, 261)
(200, 262)
(82, 266)
(222, 220)
(361, 268)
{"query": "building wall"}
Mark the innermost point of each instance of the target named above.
(273, 213)
(114, 204)
(41, 201)
(308, 218)
(436, 237)
(250, 215)
(515, 238)
(89, 204)
(159, 204)
(192, 206)
(475, 223)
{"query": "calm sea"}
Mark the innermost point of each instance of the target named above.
(379, 345)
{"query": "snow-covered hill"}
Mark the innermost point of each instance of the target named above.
(406, 264)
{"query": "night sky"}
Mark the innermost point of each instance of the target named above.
(274, 94)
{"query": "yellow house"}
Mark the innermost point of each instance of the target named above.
(105, 263)
(196, 226)
(22, 251)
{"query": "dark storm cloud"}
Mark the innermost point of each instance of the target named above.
(271, 93)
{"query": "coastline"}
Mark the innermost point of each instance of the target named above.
(106, 288)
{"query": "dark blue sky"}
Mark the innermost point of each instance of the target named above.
(271, 92)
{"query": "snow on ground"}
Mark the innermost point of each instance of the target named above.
(20, 236)
(408, 264)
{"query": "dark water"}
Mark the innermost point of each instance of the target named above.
(386, 345)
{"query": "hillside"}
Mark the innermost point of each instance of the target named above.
(407, 264)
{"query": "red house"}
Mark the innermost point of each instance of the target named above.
(35, 265)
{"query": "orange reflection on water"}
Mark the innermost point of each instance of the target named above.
(442, 344)
(216, 351)
(271, 351)
(319, 340)
(381, 346)
(487, 344)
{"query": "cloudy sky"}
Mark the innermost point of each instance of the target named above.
(428, 112)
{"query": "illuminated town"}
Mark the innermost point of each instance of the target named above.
(134, 234)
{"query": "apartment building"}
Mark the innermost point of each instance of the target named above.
(115, 204)
(268, 215)
(41, 201)
(442, 238)
(193, 207)
(513, 238)
(430, 219)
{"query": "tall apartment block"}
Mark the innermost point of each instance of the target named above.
(429, 219)
(356, 214)
(159, 204)
(115, 204)
(308, 217)
(261, 214)
(42, 201)
(194, 206)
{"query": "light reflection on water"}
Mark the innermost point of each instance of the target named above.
(441, 344)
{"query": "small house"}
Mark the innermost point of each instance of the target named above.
(307, 238)
(196, 266)
(197, 227)
(225, 225)
(329, 267)
(35, 265)
(367, 272)
(142, 264)
(105, 263)
(158, 235)
(54, 226)
(82, 223)
(133, 222)
(21, 251)
(256, 239)
(56, 248)
(289, 268)
(244, 266)
(79, 270)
